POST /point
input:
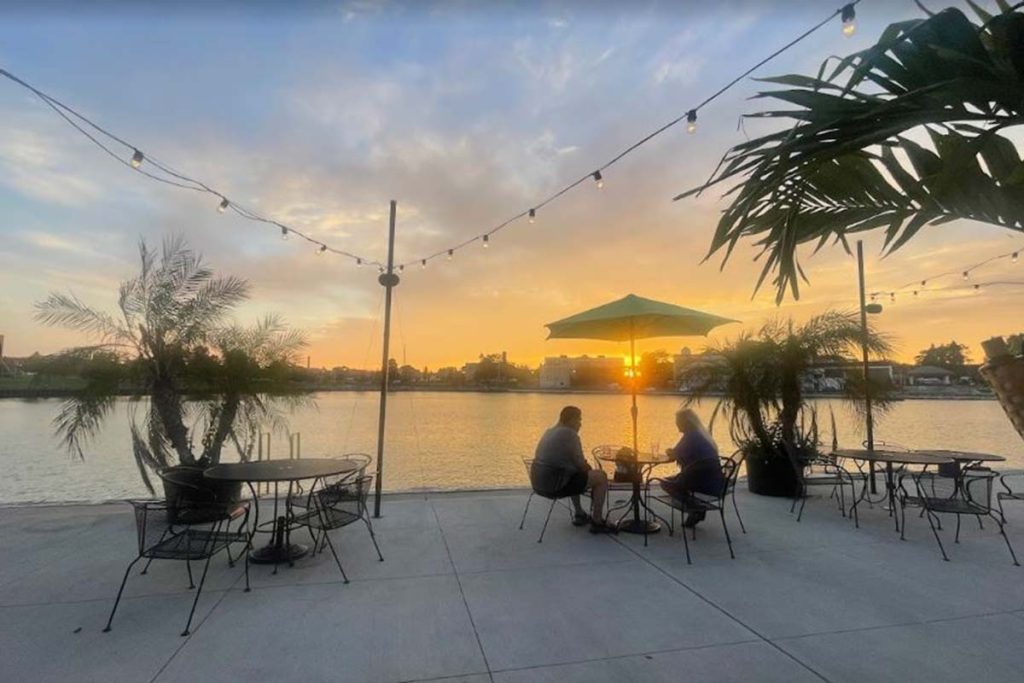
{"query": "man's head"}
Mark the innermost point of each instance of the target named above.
(571, 416)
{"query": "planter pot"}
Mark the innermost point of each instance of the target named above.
(187, 487)
(770, 476)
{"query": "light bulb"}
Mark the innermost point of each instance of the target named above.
(849, 16)
(533, 219)
(137, 158)
(359, 263)
(924, 282)
(915, 292)
(450, 253)
(423, 263)
(1013, 259)
(598, 179)
(892, 296)
(966, 274)
(401, 268)
(284, 233)
(322, 249)
(691, 121)
(222, 207)
(977, 288)
(486, 242)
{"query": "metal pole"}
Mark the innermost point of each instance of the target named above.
(864, 351)
(388, 279)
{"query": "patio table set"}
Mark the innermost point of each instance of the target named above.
(197, 529)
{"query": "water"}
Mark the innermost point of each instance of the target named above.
(452, 440)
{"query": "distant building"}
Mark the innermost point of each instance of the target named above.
(926, 375)
(559, 372)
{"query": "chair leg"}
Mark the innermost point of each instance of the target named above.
(527, 509)
(686, 543)
(330, 544)
(545, 527)
(373, 537)
(999, 502)
(725, 528)
(737, 509)
(936, 533)
(803, 501)
(956, 538)
(120, 590)
(1007, 539)
(202, 580)
(853, 505)
(146, 568)
(246, 552)
(903, 521)
(188, 566)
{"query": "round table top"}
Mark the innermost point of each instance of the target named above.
(969, 456)
(640, 459)
(280, 470)
(902, 457)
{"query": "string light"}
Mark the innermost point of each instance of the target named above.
(223, 206)
(401, 268)
(533, 216)
(892, 296)
(487, 241)
(451, 252)
(924, 282)
(915, 292)
(322, 249)
(977, 288)
(137, 158)
(599, 180)
(849, 17)
(1013, 259)
(691, 121)
(359, 263)
(284, 233)
(423, 263)
(966, 274)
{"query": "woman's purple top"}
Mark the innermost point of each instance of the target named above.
(698, 461)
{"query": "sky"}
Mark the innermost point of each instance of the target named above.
(465, 113)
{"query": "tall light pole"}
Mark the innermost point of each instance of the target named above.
(864, 310)
(389, 281)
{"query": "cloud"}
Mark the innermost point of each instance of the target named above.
(36, 165)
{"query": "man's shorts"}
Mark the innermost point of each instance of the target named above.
(576, 485)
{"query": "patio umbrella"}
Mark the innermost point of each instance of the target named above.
(634, 317)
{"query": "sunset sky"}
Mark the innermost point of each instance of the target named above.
(466, 114)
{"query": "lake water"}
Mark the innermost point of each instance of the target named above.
(448, 440)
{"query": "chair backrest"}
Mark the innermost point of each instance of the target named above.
(362, 460)
(731, 470)
(157, 522)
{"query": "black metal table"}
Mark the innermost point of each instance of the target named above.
(644, 463)
(889, 458)
(280, 548)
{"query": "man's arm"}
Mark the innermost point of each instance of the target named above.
(578, 458)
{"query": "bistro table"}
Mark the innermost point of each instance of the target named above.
(280, 547)
(643, 464)
(890, 458)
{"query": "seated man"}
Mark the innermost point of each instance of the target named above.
(559, 469)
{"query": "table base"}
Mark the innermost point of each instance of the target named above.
(639, 526)
(276, 554)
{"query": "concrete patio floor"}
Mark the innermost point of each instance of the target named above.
(464, 595)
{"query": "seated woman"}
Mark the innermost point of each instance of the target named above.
(699, 468)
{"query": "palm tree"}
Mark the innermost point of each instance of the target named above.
(916, 135)
(758, 380)
(190, 377)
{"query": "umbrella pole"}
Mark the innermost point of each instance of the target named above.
(632, 365)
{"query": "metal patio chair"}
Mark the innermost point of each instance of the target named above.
(968, 494)
(562, 478)
(189, 533)
(826, 469)
(1014, 492)
(336, 505)
(701, 502)
(606, 450)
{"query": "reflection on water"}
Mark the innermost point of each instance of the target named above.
(454, 440)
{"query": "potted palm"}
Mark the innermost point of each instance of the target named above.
(758, 380)
(194, 383)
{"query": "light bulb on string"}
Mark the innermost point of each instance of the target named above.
(892, 296)
(451, 252)
(849, 17)
(224, 204)
(691, 121)
(977, 288)
(487, 241)
(924, 282)
(137, 158)
(915, 292)
(598, 179)
(284, 233)
(1013, 259)
(423, 263)
(966, 274)
(359, 262)
(401, 268)
(322, 249)
(533, 217)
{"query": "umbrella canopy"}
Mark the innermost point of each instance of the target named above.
(634, 317)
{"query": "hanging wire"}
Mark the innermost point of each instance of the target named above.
(178, 179)
(921, 284)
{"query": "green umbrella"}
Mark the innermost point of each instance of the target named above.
(634, 317)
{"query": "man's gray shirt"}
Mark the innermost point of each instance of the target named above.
(560, 450)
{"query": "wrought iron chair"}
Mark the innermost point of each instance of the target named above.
(701, 502)
(968, 494)
(1015, 492)
(186, 532)
(333, 506)
(561, 478)
(826, 469)
(866, 470)
(609, 450)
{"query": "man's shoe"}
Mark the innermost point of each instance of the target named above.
(603, 528)
(693, 518)
(580, 519)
